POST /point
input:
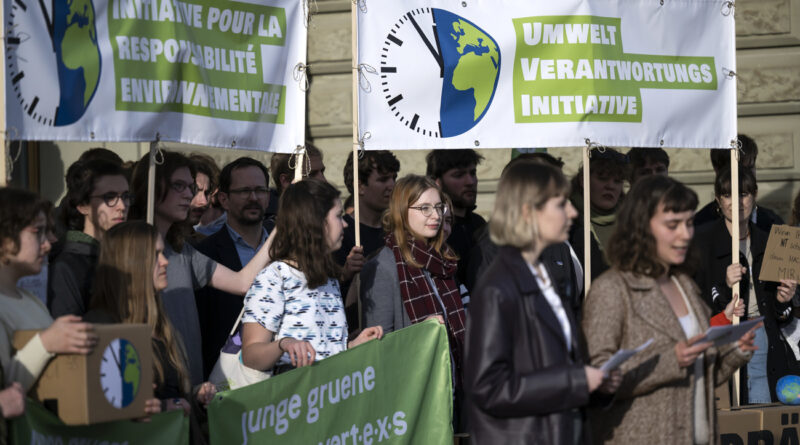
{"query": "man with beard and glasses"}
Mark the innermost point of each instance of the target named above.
(455, 171)
(244, 194)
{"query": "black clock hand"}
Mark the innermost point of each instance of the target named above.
(47, 20)
(116, 359)
(436, 55)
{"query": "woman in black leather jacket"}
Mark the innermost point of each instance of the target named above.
(525, 375)
(716, 275)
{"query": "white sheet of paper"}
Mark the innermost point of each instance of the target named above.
(722, 335)
(622, 356)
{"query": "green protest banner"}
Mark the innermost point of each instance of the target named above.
(579, 63)
(207, 58)
(39, 426)
(393, 391)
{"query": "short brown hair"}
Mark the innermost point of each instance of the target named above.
(632, 247)
(279, 164)
(523, 184)
(720, 158)
(384, 161)
(603, 161)
(18, 209)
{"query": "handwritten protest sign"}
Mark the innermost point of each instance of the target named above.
(782, 257)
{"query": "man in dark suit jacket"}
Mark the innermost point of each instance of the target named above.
(244, 195)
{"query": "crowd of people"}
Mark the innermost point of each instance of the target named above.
(276, 274)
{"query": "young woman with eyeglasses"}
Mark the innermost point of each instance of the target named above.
(188, 269)
(97, 199)
(412, 278)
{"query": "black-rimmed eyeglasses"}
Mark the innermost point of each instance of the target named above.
(112, 198)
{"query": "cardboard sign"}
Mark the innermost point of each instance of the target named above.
(111, 383)
(782, 256)
(759, 425)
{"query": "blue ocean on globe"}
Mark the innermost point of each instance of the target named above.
(131, 371)
(471, 71)
(78, 57)
(788, 390)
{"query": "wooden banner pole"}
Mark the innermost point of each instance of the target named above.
(735, 249)
(587, 228)
(4, 154)
(356, 144)
(299, 156)
(151, 180)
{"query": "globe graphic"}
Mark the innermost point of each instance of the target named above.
(471, 71)
(75, 44)
(788, 390)
(131, 371)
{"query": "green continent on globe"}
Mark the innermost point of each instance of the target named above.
(133, 369)
(790, 392)
(477, 67)
(79, 35)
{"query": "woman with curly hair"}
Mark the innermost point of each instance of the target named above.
(293, 313)
(667, 391)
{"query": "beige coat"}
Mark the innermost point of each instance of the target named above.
(655, 403)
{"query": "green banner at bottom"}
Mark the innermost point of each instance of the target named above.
(39, 426)
(396, 390)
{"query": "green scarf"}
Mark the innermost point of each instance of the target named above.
(603, 221)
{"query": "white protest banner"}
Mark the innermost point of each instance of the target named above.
(208, 72)
(516, 73)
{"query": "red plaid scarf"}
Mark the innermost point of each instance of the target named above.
(419, 299)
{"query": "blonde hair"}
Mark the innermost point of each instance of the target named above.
(124, 288)
(406, 192)
(524, 189)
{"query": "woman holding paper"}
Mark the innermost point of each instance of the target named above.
(716, 278)
(667, 390)
(526, 370)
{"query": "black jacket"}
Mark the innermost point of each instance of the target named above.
(462, 238)
(522, 383)
(599, 263)
(70, 278)
(712, 247)
(556, 257)
(218, 310)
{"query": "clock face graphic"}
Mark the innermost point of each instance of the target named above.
(120, 373)
(439, 72)
(52, 58)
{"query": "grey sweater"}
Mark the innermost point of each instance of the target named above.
(381, 300)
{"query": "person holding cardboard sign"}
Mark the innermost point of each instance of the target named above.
(126, 291)
(667, 390)
(25, 231)
(716, 277)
